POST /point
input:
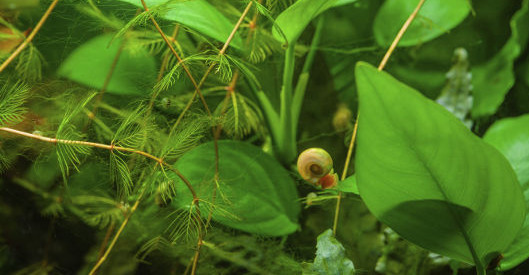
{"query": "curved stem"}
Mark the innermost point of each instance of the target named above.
(111, 147)
(184, 66)
(120, 230)
(30, 37)
(212, 66)
(217, 130)
(381, 66)
(344, 174)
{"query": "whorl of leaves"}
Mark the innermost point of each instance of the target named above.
(12, 97)
(241, 116)
(69, 153)
(262, 45)
(29, 64)
(97, 210)
(185, 137)
(134, 133)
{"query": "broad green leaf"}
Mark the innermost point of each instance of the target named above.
(424, 174)
(198, 15)
(330, 257)
(348, 185)
(511, 137)
(255, 193)
(435, 18)
(297, 17)
(90, 63)
(495, 78)
(18, 4)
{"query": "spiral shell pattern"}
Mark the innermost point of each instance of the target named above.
(313, 164)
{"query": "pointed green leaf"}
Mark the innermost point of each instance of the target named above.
(134, 74)
(348, 185)
(511, 137)
(435, 18)
(198, 15)
(495, 78)
(423, 173)
(330, 257)
(297, 17)
(255, 193)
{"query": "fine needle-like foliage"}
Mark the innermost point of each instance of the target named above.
(165, 137)
(12, 99)
(69, 154)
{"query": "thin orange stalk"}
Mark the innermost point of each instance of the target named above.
(210, 68)
(115, 239)
(110, 147)
(216, 131)
(184, 66)
(353, 137)
(30, 37)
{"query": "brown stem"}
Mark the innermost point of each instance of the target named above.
(210, 68)
(30, 37)
(184, 66)
(380, 68)
(344, 174)
(105, 241)
(115, 239)
(216, 130)
(399, 35)
(111, 147)
(118, 148)
(165, 59)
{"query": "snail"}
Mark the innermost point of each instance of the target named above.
(315, 166)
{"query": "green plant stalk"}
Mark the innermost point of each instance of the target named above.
(286, 143)
(301, 86)
(284, 136)
(271, 116)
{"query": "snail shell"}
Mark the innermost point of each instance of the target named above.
(313, 164)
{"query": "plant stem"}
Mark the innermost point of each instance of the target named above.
(210, 68)
(380, 68)
(184, 66)
(118, 233)
(286, 144)
(165, 59)
(111, 147)
(344, 174)
(30, 37)
(108, 234)
(217, 130)
(301, 86)
(399, 35)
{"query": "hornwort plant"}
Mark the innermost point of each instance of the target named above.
(162, 137)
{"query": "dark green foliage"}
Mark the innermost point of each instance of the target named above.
(110, 158)
(12, 97)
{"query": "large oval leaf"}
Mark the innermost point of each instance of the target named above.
(435, 18)
(198, 15)
(297, 17)
(423, 173)
(90, 63)
(495, 78)
(511, 137)
(254, 189)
